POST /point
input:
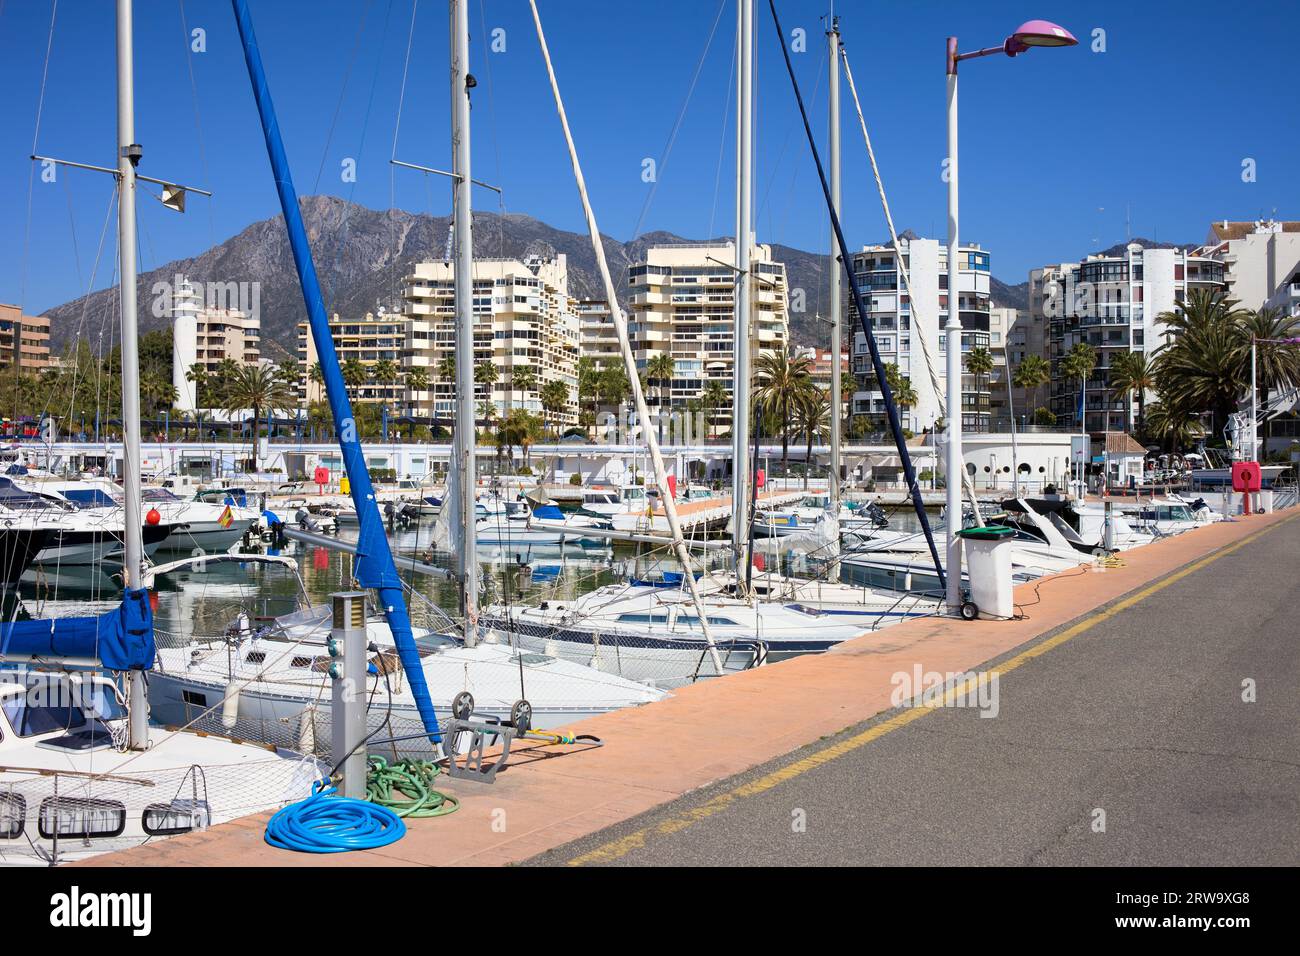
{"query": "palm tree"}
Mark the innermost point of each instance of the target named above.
(1277, 366)
(615, 386)
(485, 373)
(319, 418)
(1079, 363)
(355, 374)
(1131, 375)
(812, 416)
(782, 382)
(1031, 374)
(417, 380)
(1175, 428)
(447, 367)
(197, 374)
(979, 362)
(555, 398)
(900, 386)
(523, 378)
(1201, 365)
(385, 372)
(715, 398)
(258, 388)
(661, 369)
(588, 390)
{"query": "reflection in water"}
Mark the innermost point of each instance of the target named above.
(201, 602)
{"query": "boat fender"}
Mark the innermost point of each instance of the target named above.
(230, 706)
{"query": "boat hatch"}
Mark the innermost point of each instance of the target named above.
(533, 660)
(805, 609)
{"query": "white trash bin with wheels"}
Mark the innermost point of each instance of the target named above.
(988, 562)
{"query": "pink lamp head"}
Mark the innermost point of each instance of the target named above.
(1037, 33)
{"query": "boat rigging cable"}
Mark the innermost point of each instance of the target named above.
(968, 483)
(877, 364)
(374, 565)
(625, 348)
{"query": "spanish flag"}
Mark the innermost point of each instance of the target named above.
(227, 518)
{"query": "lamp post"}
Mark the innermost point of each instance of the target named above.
(1031, 34)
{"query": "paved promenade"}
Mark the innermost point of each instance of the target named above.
(1119, 690)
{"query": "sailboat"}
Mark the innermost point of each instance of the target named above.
(714, 623)
(82, 771)
(266, 680)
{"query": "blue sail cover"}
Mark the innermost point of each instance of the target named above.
(374, 566)
(121, 639)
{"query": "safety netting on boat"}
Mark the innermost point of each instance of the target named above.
(49, 817)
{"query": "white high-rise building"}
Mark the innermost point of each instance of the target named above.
(899, 328)
(1261, 261)
(1114, 304)
(525, 329)
(682, 304)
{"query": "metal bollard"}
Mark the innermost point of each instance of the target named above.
(348, 669)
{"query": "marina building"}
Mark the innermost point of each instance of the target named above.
(207, 334)
(24, 339)
(1113, 303)
(681, 303)
(370, 352)
(900, 329)
(526, 336)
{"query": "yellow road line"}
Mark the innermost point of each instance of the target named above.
(616, 849)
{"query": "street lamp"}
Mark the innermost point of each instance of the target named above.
(1031, 34)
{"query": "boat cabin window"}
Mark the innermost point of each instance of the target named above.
(86, 817)
(159, 494)
(30, 715)
(715, 620)
(657, 617)
(89, 498)
(13, 814)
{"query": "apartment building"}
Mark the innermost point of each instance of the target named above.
(900, 328)
(24, 339)
(1261, 262)
(1013, 334)
(375, 341)
(1114, 304)
(596, 336)
(207, 335)
(524, 319)
(682, 304)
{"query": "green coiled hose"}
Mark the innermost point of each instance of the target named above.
(406, 788)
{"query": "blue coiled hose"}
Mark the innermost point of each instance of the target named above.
(327, 823)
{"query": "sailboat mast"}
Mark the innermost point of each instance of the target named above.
(463, 265)
(837, 335)
(740, 389)
(128, 154)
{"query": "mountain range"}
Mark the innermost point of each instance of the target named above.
(362, 255)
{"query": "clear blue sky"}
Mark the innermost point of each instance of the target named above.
(1055, 144)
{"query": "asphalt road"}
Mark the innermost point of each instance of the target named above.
(1141, 717)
